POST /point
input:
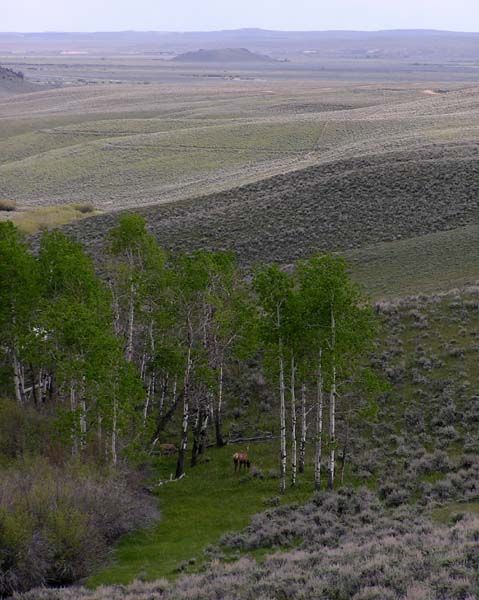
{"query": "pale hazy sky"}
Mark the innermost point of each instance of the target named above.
(203, 15)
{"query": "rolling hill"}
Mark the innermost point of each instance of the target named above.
(222, 55)
(370, 169)
(151, 144)
(367, 170)
(377, 210)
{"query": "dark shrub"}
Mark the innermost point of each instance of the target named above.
(56, 522)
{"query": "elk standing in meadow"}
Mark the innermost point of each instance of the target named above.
(241, 459)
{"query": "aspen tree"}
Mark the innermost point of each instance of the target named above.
(274, 289)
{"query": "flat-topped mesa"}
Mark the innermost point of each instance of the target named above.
(223, 55)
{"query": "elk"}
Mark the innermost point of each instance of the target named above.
(241, 459)
(167, 449)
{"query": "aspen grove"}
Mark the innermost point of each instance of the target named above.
(121, 352)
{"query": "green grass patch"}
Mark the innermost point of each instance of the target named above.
(47, 217)
(451, 512)
(428, 263)
(196, 511)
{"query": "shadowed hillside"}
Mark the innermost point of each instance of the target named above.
(339, 206)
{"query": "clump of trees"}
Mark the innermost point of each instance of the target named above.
(99, 367)
(10, 74)
(318, 330)
(116, 357)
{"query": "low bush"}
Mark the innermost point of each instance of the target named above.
(84, 208)
(341, 546)
(8, 205)
(56, 523)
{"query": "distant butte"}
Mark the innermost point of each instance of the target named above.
(222, 55)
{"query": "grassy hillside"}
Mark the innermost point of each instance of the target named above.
(424, 264)
(414, 474)
(125, 145)
(394, 219)
(325, 168)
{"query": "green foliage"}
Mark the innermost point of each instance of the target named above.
(101, 359)
(67, 272)
(339, 321)
(317, 308)
(19, 286)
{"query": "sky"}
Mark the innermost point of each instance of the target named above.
(208, 15)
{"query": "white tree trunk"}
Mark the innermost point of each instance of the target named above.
(175, 387)
(164, 389)
(114, 431)
(73, 409)
(304, 429)
(332, 431)
(42, 379)
(219, 408)
(319, 425)
(18, 380)
(220, 390)
(282, 417)
(83, 421)
(202, 439)
(180, 466)
(116, 311)
(150, 392)
(332, 407)
(83, 424)
(131, 325)
(293, 424)
(100, 433)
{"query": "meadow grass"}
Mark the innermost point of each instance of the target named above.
(196, 511)
(424, 264)
(48, 217)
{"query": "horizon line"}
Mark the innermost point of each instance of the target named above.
(240, 29)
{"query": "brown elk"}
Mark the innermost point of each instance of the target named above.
(241, 459)
(167, 449)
